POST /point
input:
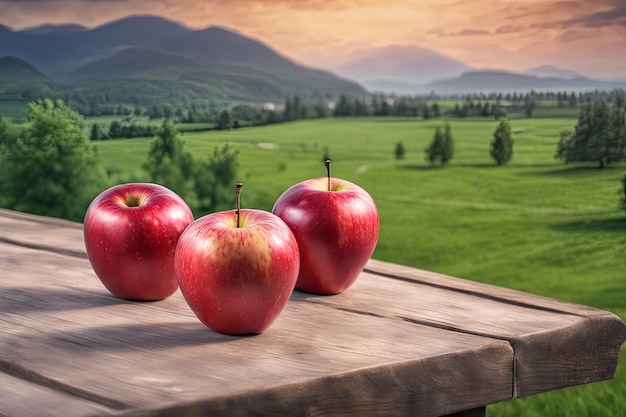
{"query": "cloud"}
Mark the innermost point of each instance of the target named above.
(509, 29)
(571, 36)
(462, 32)
(319, 32)
(614, 16)
(70, 2)
(563, 14)
(471, 32)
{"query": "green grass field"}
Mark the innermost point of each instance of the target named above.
(536, 225)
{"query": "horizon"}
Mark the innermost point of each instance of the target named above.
(513, 35)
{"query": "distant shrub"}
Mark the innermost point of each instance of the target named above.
(399, 150)
(502, 143)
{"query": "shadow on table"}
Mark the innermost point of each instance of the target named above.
(148, 336)
(29, 299)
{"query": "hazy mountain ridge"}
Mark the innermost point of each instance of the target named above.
(418, 70)
(400, 66)
(15, 68)
(551, 71)
(505, 81)
(221, 63)
(218, 62)
(50, 28)
(133, 61)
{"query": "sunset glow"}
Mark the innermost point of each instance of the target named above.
(588, 37)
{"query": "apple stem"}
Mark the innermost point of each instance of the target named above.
(239, 186)
(327, 162)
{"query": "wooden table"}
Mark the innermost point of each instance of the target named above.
(400, 341)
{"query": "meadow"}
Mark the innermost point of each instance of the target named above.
(536, 224)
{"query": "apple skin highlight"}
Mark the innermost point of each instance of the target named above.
(237, 280)
(131, 231)
(336, 226)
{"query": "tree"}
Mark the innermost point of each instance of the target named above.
(169, 164)
(441, 148)
(205, 185)
(435, 109)
(599, 136)
(224, 121)
(448, 145)
(289, 113)
(50, 167)
(246, 112)
(214, 179)
(399, 150)
(529, 107)
(345, 106)
(435, 150)
(115, 129)
(499, 111)
(96, 132)
(8, 133)
(622, 202)
(502, 143)
(385, 108)
(299, 110)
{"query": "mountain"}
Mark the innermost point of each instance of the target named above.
(42, 46)
(400, 67)
(14, 68)
(550, 71)
(141, 59)
(503, 81)
(411, 70)
(47, 29)
(133, 62)
(222, 45)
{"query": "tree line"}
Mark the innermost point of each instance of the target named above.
(599, 136)
(50, 167)
(374, 104)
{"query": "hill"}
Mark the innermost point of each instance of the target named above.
(552, 71)
(14, 68)
(400, 67)
(47, 29)
(133, 62)
(410, 70)
(168, 62)
(503, 81)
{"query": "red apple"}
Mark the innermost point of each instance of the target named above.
(336, 224)
(237, 278)
(131, 231)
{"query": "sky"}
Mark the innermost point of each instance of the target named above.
(582, 35)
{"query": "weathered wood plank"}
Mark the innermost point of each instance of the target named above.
(20, 398)
(42, 232)
(557, 344)
(58, 322)
(482, 290)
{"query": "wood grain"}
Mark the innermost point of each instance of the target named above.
(69, 334)
(557, 344)
(39, 232)
(21, 398)
(400, 341)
